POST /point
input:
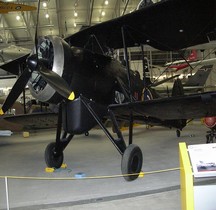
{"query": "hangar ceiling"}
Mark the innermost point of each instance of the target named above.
(58, 17)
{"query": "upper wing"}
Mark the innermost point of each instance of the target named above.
(167, 25)
(182, 107)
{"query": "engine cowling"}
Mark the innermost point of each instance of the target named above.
(210, 122)
(56, 55)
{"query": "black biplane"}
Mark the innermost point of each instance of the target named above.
(79, 74)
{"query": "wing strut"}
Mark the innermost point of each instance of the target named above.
(21, 69)
(126, 61)
(145, 70)
(129, 84)
(90, 45)
(119, 143)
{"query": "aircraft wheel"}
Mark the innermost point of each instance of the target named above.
(178, 133)
(52, 160)
(132, 160)
(209, 139)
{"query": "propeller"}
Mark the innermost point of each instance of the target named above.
(56, 82)
(36, 64)
(16, 91)
(52, 78)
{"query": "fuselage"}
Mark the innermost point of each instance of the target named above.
(90, 74)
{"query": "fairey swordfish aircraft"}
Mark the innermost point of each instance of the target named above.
(79, 74)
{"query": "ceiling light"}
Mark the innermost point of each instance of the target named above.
(18, 17)
(106, 2)
(44, 4)
(75, 25)
(103, 13)
(75, 14)
(47, 15)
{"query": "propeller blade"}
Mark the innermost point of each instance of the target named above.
(16, 91)
(14, 65)
(56, 82)
(36, 30)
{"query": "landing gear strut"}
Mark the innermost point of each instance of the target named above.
(211, 135)
(54, 156)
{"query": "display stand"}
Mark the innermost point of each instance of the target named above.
(197, 197)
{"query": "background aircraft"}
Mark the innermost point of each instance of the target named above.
(12, 52)
(9, 54)
(6, 7)
(191, 64)
(81, 76)
(191, 84)
(182, 64)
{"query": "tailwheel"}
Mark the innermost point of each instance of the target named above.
(209, 138)
(178, 133)
(53, 160)
(132, 160)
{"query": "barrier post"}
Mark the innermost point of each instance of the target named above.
(7, 194)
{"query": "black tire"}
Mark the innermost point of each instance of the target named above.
(207, 139)
(52, 160)
(178, 133)
(211, 139)
(132, 160)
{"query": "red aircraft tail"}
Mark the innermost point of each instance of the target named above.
(192, 56)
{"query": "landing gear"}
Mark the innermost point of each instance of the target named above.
(178, 133)
(211, 135)
(53, 159)
(54, 151)
(209, 139)
(132, 160)
(131, 155)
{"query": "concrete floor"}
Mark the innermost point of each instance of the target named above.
(95, 156)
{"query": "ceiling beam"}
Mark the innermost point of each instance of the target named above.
(91, 6)
(6, 34)
(59, 25)
(117, 9)
(27, 21)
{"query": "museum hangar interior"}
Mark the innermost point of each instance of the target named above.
(89, 177)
